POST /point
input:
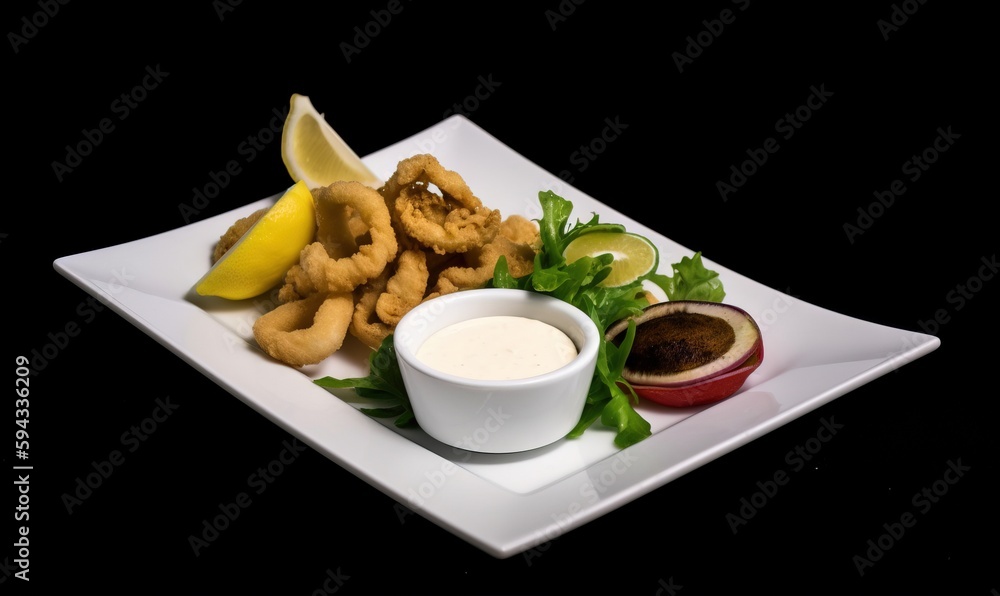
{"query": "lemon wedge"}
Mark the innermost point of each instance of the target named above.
(262, 256)
(635, 257)
(314, 153)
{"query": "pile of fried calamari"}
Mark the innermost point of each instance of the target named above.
(378, 253)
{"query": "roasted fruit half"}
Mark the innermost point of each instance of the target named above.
(688, 352)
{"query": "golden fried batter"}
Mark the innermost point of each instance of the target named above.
(305, 331)
(521, 230)
(444, 227)
(481, 264)
(453, 221)
(425, 168)
(328, 273)
(405, 289)
(365, 324)
(297, 285)
(518, 241)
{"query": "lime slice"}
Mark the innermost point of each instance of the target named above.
(635, 257)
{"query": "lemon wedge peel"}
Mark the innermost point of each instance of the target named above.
(259, 260)
(314, 153)
(635, 256)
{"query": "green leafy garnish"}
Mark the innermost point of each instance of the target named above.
(611, 398)
(691, 281)
(384, 383)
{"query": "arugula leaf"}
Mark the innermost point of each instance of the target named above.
(555, 231)
(384, 382)
(691, 281)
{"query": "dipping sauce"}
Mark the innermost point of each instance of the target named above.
(498, 348)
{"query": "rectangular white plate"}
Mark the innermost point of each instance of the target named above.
(503, 504)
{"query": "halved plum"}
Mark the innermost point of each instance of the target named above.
(690, 352)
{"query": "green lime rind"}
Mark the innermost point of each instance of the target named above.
(615, 277)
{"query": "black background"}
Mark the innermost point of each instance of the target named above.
(560, 69)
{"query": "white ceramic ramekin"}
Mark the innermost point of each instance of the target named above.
(496, 416)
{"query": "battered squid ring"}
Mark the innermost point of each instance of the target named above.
(297, 285)
(329, 274)
(454, 221)
(441, 226)
(305, 331)
(365, 324)
(425, 168)
(516, 243)
(405, 289)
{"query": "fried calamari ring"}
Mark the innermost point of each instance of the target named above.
(405, 289)
(521, 230)
(235, 232)
(338, 227)
(341, 231)
(441, 225)
(365, 324)
(515, 242)
(453, 221)
(297, 285)
(327, 273)
(425, 168)
(305, 331)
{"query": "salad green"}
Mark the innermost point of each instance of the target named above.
(611, 398)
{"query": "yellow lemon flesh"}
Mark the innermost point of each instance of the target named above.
(635, 257)
(262, 256)
(314, 153)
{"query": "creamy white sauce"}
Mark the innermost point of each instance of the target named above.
(498, 348)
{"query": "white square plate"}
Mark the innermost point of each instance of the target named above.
(503, 504)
